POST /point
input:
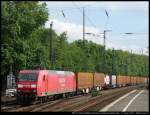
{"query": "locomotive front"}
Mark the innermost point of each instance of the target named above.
(27, 86)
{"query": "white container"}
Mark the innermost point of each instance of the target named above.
(145, 80)
(107, 80)
(113, 82)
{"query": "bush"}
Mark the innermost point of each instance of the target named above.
(94, 92)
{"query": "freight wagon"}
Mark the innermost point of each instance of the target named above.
(132, 80)
(99, 81)
(110, 81)
(145, 79)
(141, 80)
(138, 80)
(113, 80)
(128, 80)
(107, 81)
(84, 82)
(121, 81)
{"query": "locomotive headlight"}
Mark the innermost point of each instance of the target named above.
(33, 86)
(20, 86)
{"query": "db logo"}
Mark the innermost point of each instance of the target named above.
(61, 80)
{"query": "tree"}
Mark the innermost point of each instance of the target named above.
(19, 21)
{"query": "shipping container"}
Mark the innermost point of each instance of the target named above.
(124, 80)
(131, 80)
(134, 80)
(113, 81)
(138, 80)
(99, 80)
(107, 81)
(85, 81)
(128, 78)
(141, 80)
(121, 81)
(145, 80)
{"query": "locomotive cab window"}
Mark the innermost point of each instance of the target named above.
(27, 77)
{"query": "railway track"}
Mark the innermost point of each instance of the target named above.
(35, 106)
(105, 99)
(76, 103)
(67, 103)
(53, 104)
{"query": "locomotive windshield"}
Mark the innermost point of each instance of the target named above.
(28, 77)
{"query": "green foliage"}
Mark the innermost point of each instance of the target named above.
(19, 22)
(94, 92)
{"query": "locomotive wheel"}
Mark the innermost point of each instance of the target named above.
(21, 99)
(18, 99)
(45, 98)
(66, 95)
(54, 97)
(41, 99)
(69, 94)
(26, 99)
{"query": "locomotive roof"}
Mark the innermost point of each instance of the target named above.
(59, 72)
(49, 71)
(29, 71)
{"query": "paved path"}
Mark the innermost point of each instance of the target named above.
(134, 101)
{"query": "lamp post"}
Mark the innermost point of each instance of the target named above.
(51, 47)
(128, 33)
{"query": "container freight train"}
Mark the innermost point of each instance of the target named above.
(44, 84)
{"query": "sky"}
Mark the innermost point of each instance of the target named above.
(121, 18)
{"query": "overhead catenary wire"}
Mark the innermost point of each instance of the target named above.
(133, 34)
(76, 8)
(80, 9)
(107, 15)
(65, 9)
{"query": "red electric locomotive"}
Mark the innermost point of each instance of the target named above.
(42, 84)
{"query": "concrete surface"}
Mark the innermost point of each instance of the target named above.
(135, 101)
